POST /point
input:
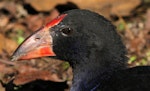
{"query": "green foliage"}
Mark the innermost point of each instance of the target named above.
(143, 62)
(20, 37)
(121, 26)
(132, 59)
(65, 65)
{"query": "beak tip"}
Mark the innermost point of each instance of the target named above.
(15, 56)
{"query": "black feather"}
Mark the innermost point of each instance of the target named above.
(97, 54)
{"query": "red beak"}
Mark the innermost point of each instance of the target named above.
(39, 44)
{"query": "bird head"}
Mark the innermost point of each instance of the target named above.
(74, 35)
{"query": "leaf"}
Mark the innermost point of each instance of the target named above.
(65, 65)
(132, 59)
(121, 26)
(143, 62)
(27, 77)
(5, 44)
(20, 39)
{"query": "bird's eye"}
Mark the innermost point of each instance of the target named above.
(67, 31)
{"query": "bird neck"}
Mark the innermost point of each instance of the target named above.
(90, 73)
(87, 78)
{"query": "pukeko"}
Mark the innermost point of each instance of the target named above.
(91, 45)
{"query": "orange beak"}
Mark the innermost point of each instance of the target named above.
(39, 44)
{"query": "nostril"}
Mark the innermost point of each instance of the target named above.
(37, 39)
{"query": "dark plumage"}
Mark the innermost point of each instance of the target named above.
(90, 43)
(38, 85)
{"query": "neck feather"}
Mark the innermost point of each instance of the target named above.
(93, 70)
